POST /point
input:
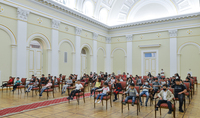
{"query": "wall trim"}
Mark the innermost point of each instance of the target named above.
(10, 33)
(69, 42)
(87, 46)
(118, 49)
(104, 51)
(150, 46)
(188, 43)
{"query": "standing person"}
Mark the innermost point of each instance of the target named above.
(118, 88)
(68, 84)
(132, 92)
(146, 87)
(42, 79)
(10, 81)
(179, 91)
(165, 96)
(105, 89)
(35, 84)
(78, 88)
(97, 85)
(156, 86)
(48, 86)
(162, 72)
(32, 80)
(17, 83)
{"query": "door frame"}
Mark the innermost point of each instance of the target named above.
(142, 60)
(83, 55)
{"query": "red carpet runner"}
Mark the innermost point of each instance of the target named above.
(32, 106)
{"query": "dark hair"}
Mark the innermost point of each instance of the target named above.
(70, 77)
(165, 85)
(54, 76)
(79, 80)
(156, 78)
(42, 74)
(49, 74)
(132, 84)
(32, 75)
(118, 80)
(106, 83)
(17, 77)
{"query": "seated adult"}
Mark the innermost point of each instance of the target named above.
(8, 83)
(32, 80)
(68, 84)
(188, 80)
(42, 79)
(165, 96)
(179, 91)
(156, 86)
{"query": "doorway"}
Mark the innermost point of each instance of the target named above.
(35, 59)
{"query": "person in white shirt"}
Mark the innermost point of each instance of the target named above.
(105, 89)
(127, 75)
(78, 88)
(162, 73)
(165, 96)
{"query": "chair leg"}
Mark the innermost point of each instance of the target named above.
(160, 111)
(128, 106)
(94, 101)
(18, 91)
(155, 113)
(137, 110)
(47, 94)
(122, 107)
(83, 97)
(32, 93)
(102, 102)
(106, 104)
(184, 105)
(189, 99)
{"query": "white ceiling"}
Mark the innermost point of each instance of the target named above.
(115, 12)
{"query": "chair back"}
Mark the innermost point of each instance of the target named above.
(187, 84)
(151, 84)
(138, 89)
(145, 77)
(171, 89)
(102, 82)
(162, 76)
(83, 84)
(13, 79)
(135, 82)
(63, 77)
(87, 79)
(140, 77)
(192, 82)
(142, 80)
(123, 85)
(116, 77)
(195, 79)
(124, 79)
(58, 80)
(23, 80)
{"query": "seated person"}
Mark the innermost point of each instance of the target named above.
(146, 87)
(129, 82)
(120, 79)
(162, 72)
(32, 80)
(105, 89)
(78, 88)
(49, 77)
(55, 81)
(108, 78)
(139, 81)
(168, 82)
(34, 85)
(173, 80)
(97, 85)
(17, 83)
(132, 92)
(179, 91)
(10, 81)
(156, 86)
(48, 86)
(165, 96)
(159, 77)
(42, 80)
(188, 80)
(118, 88)
(162, 82)
(68, 84)
(112, 81)
(60, 76)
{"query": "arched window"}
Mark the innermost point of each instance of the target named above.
(88, 8)
(103, 15)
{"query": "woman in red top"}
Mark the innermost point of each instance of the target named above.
(8, 83)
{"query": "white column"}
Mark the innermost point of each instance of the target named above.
(78, 52)
(73, 60)
(94, 69)
(21, 42)
(129, 58)
(55, 48)
(108, 55)
(27, 61)
(173, 51)
(49, 61)
(14, 60)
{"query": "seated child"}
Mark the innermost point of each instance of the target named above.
(165, 97)
(145, 91)
(49, 84)
(68, 84)
(8, 83)
(112, 81)
(132, 92)
(78, 88)
(17, 83)
(118, 88)
(55, 81)
(35, 84)
(105, 89)
(129, 82)
(97, 85)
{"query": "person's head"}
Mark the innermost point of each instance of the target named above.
(118, 81)
(127, 73)
(109, 75)
(129, 79)
(17, 78)
(10, 77)
(156, 80)
(189, 74)
(161, 69)
(146, 83)
(78, 82)
(159, 74)
(187, 79)
(70, 77)
(178, 82)
(54, 77)
(105, 84)
(165, 87)
(49, 75)
(112, 77)
(120, 77)
(32, 75)
(36, 80)
(60, 75)
(167, 78)
(173, 77)
(124, 73)
(132, 85)
(42, 75)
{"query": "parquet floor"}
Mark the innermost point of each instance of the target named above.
(83, 110)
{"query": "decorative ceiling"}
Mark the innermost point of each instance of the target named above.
(115, 12)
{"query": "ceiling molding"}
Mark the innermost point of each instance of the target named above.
(149, 46)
